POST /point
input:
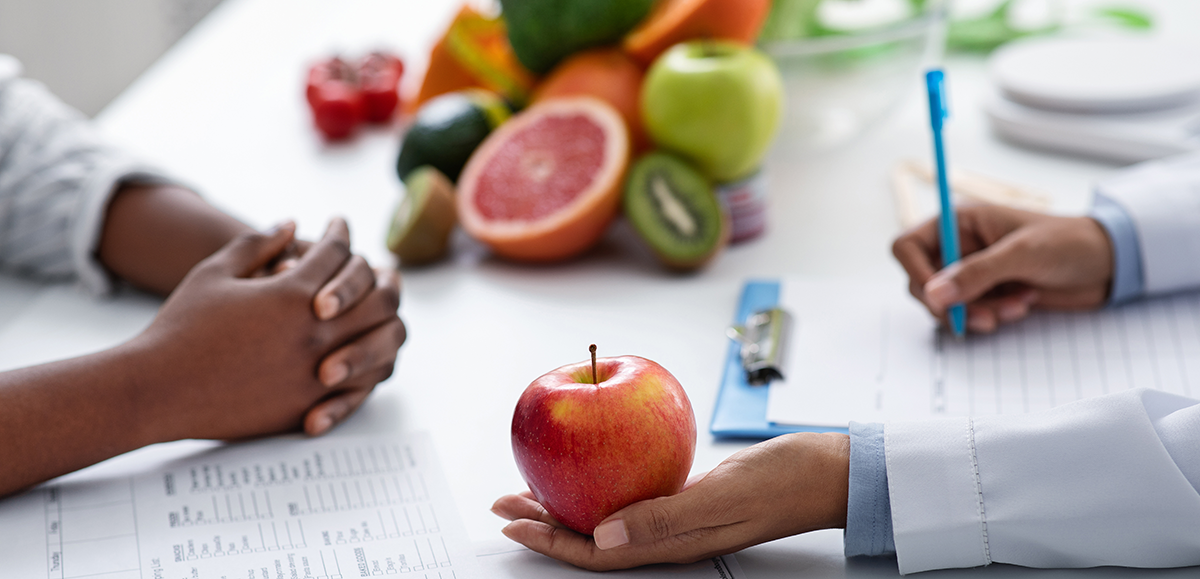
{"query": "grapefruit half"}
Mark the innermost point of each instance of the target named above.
(545, 185)
(608, 74)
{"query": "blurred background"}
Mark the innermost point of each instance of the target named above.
(88, 51)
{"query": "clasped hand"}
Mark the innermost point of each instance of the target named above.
(234, 353)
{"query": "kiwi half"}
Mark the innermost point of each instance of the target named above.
(675, 210)
(421, 228)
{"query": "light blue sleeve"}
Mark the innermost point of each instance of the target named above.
(869, 510)
(1128, 281)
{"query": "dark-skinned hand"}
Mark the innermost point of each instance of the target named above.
(235, 356)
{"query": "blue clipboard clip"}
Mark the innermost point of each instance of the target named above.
(740, 411)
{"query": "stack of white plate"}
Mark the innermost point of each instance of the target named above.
(1117, 99)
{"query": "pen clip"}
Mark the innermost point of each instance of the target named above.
(935, 84)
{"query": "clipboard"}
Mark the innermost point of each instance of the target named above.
(741, 408)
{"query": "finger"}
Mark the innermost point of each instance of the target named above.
(1016, 306)
(377, 308)
(367, 355)
(290, 257)
(350, 285)
(981, 319)
(332, 411)
(650, 521)
(976, 274)
(1085, 299)
(576, 549)
(513, 507)
(326, 257)
(564, 545)
(284, 265)
(986, 315)
(252, 250)
(917, 250)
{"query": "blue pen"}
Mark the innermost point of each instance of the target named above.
(935, 83)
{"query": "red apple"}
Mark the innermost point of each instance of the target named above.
(587, 448)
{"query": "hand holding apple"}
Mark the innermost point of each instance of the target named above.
(717, 103)
(787, 485)
(590, 439)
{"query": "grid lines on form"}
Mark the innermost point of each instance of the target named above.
(91, 531)
(1053, 358)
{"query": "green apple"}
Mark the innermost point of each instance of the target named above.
(717, 103)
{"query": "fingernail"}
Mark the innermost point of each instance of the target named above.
(285, 265)
(610, 534)
(1011, 312)
(327, 306)
(285, 225)
(981, 324)
(942, 291)
(322, 423)
(497, 512)
(507, 532)
(335, 374)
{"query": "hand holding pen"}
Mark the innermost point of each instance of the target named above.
(948, 221)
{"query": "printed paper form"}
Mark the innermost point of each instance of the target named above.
(870, 354)
(329, 508)
(508, 560)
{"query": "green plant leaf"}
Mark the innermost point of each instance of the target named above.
(790, 20)
(987, 32)
(1127, 16)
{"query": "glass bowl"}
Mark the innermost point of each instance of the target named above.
(838, 87)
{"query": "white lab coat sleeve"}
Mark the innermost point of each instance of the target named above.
(1110, 480)
(1163, 198)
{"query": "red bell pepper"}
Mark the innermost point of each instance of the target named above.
(343, 96)
(379, 78)
(335, 98)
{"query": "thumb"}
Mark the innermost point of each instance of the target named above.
(970, 278)
(655, 520)
(253, 250)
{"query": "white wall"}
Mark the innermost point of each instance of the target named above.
(88, 51)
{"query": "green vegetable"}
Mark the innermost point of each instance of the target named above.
(543, 32)
(447, 129)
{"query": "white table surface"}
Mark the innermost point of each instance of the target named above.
(224, 111)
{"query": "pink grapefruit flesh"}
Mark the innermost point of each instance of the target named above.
(546, 184)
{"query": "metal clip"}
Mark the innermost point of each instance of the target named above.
(764, 341)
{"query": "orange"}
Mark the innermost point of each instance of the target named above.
(474, 53)
(675, 21)
(547, 183)
(607, 74)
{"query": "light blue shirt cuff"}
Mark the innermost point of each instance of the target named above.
(1128, 282)
(869, 510)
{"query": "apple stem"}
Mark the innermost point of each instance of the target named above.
(592, 349)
